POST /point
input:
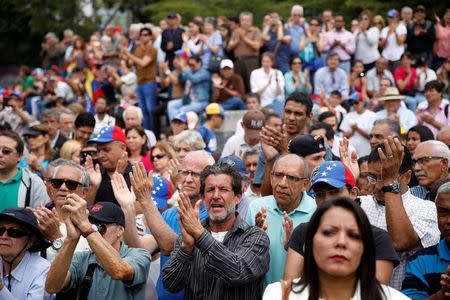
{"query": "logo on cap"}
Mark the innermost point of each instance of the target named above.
(97, 208)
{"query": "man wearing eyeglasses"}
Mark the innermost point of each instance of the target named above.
(111, 270)
(329, 181)
(279, 213)
(67, 177)
(18, 186)
(411, 221)
(430, 165)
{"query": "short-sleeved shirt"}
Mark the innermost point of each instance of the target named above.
(384, 249)
(10, 191)
(365, 122)
(407, 118)
(440, 115)
(392, 50)
(242, 49)
(423, 217)
(236, 145)
(103, 286)
(301, 214)
(147, 73)
(400, 74)
(424, 270)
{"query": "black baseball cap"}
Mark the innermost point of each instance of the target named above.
(171, 14)
(108, 213)
(307, 144)
(27, 219)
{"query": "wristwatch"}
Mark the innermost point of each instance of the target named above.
(57, 244)
(394, 187)
(91, 230)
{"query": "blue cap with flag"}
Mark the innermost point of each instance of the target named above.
(333, 173)
(162, 191)
(236, 163)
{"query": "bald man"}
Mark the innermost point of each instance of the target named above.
(430, 164)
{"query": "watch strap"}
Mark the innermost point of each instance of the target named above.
(88, 232)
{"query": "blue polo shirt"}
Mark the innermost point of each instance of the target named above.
(275, 216)
(170, 216)
(424, 269)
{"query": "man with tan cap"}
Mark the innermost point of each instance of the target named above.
(252, 122)
(229, 87)
(395, 110)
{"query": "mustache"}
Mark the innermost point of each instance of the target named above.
(419, 174)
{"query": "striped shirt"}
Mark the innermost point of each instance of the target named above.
(424, 270)
(230, 270)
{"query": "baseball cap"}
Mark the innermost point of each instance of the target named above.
(108, 134)
(182, 117)
(171, 14)
(162, 191)
(356, 97)
(27, 219)
(107, 212)
(333, 173)
(35, 131)
(226, 63)
(306, 144)
(236, 163)
(253, 119)
(215, 109)
(392, 13)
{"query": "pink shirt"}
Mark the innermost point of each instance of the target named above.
(439, 115)
(146, 160)
(346, 38)
(442, 45)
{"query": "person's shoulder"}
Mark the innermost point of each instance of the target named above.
(134, 252)
(170, 214)
(256, 204)
(272, 291)
(429, 251)
(391, 293)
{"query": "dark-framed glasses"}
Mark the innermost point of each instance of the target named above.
(70, 184)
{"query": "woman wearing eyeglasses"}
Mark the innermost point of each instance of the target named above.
(339, 259)
(297, 80)
(137, 147)
(161, 154)
(23, 271)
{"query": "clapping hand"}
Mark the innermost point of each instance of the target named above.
(122, 163)
(350, 161)
(141, 182)
(261, 219)
(79, 214)
(95, 176)
(288, 227)
(48, 221)
(123, 195)
(445, 282)
(190, 219)
(391, 159)
(174, 166)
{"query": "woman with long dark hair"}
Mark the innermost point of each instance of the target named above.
(416, 135)
(339, 258)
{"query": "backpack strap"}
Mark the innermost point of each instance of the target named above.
(28, 195)
(446, 110)
(87, 281)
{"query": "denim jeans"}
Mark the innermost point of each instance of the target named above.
(233, 103)
(413, 102)
(146, 93)
(277, 106)
(176, 106)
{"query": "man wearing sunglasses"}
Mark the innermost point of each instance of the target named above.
(430, 165)
(113, 270)
(18, 186)
(286, 208)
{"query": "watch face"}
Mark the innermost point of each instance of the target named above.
(94, 227)
(57, 243)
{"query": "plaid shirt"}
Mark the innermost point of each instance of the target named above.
(423, 217)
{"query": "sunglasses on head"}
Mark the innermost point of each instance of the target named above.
(12, 232)
(101, 228)
(7, 151)
(70, 184)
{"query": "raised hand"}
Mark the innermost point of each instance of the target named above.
(174, 166)
(261, 219)
(346, 160)
(288, 227)
(73, 233)
(190, 216)
(95, 176)
(142, 183)
(123, 195)
(271, 142)
(122, 163)
(48, 221)
(445, 282)
(391, 159)
(79, 214)
(188, 241)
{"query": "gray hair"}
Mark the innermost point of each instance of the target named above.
(192, 137)
(394, 126)
(246, 13)
(305, 163)
(443, 189)
(68, 32)
(136, 109)
(437, 148)
(297, 9)
(70, 163)
(67, 111)
(407, 9)
(135, 27)
(50, 113)
(250, 153)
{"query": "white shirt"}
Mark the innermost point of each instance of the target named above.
(424, 77)
(259, 78)
(365, 122)
(373, 80)
(107, 121)
(236, 145)
(81, 245)
(129, 83)
(64, 90)
(367, 45)
(392, 50)
(423, 217)
(273, 292)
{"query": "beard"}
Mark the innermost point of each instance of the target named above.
(219, 219)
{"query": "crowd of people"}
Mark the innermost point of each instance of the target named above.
(335, 184)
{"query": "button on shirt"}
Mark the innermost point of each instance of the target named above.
(301, 214)
(10, 190)
(423, 217)
(329, 81)
(27, 279)
(103, 286)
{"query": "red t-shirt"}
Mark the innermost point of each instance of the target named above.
(400, 74)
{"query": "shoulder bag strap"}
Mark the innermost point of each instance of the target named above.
(87, 282)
